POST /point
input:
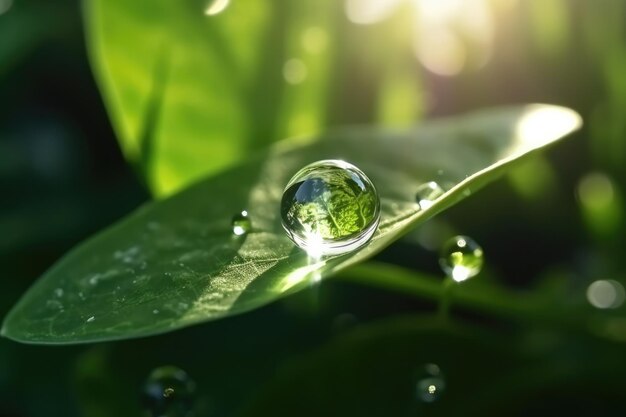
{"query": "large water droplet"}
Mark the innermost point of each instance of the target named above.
(427, 193)
(241, 223)
(430, 383)
(461, 258)
(330, 207)
(169, 392)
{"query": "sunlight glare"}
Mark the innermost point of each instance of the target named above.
(543, 124)
(367, 12)
(461, 273)
(216, 7)
(452, 35)
(310, 272)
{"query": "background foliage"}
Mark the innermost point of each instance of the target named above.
(549, 227)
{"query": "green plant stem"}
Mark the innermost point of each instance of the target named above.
(521, 306)
(446, 298)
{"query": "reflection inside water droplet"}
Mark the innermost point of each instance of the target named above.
(241, 223)
(169, 392)
(330, 207)
(427, 193)
(461, 258)
(430, 383)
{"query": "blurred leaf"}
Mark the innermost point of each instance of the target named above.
(42, 23)
(191, 93)
(176, 262)
(375, 369)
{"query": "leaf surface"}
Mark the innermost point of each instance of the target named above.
(176, 262)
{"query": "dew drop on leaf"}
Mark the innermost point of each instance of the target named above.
(169, 392)
(430, 383)
(461, 258)
(427, 193)
(241, 223)
(330, 207)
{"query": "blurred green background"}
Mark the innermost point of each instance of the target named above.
(554, 225)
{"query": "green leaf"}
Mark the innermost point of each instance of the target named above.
(190, 93)
(176, 262)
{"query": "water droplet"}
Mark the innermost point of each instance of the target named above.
(461, 258)
(169, 392)
(330, 207)
(90, 319)
(216, 7)
(430, 383)
(241, 223)
(427, 193)
(155, 311)
(294, 71)
(58, 292)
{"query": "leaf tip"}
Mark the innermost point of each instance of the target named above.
(544, 123)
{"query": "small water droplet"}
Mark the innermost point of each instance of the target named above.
(155, 311)
(58, 292)
(216, 7)
(169, 392)
(294, 71)
(90, 319)
(330, 207)
(427, 193)
(461, 258)
(241, 223)
(430, 383)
